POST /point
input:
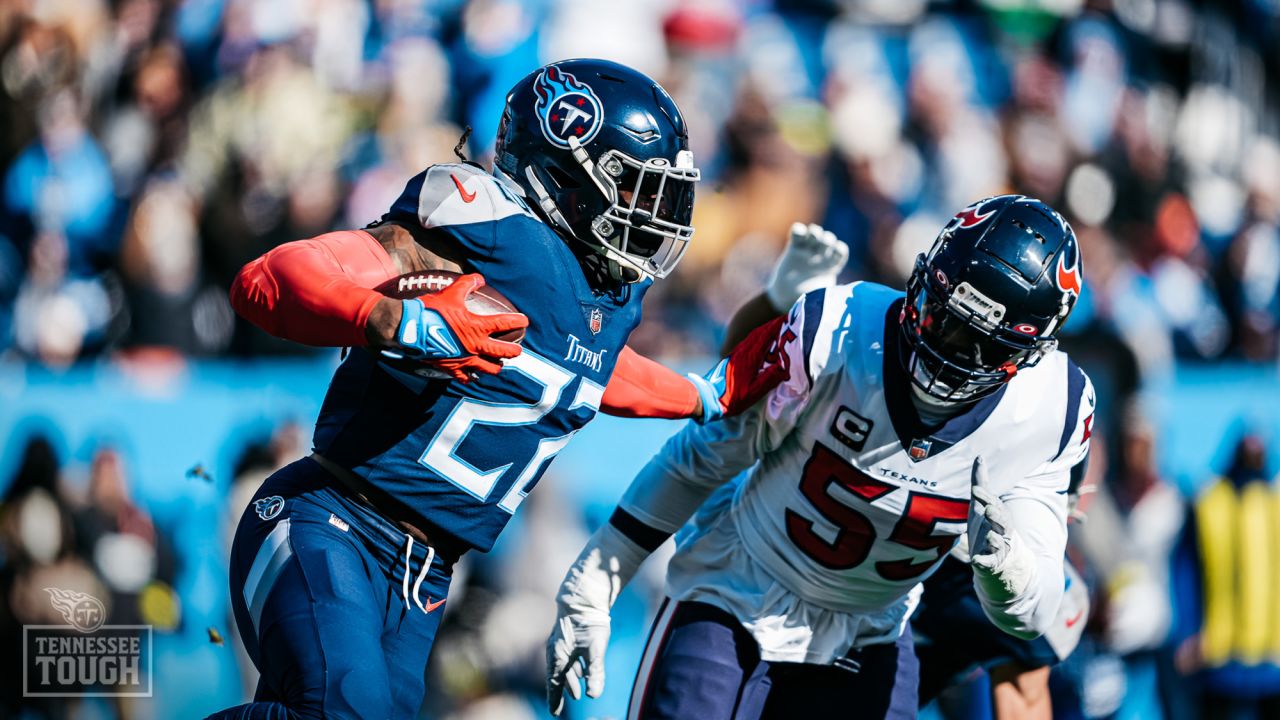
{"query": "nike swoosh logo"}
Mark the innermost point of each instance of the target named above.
(1070, 621)
(717, 375)
(466, 196)
(442, 339)
(433, 605)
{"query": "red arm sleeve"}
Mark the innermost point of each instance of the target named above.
(642, 388)
(316, 291)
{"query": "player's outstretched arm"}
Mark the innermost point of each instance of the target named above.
(663, 496)
(641, 387)
(812, 260)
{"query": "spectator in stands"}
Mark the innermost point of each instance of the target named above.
(1227, 591)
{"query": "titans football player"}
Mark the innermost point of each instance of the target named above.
(904, 421)
(342, 561)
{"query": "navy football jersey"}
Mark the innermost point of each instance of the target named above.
(463, 456)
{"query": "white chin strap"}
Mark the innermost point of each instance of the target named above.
(545, 202)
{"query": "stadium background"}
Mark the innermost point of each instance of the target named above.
(151, 147)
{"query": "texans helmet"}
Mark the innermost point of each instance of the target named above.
(603, 152)
(989, 297)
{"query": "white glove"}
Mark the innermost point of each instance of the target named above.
(577, 644)
(1003, 566)
(812, 260)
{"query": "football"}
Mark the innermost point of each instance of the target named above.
(484, 301)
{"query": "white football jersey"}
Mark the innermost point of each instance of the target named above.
(848, 501)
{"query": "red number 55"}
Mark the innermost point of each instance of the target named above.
(854, 532)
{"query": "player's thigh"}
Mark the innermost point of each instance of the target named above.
(881, 683)
(408, 636)
(1020, 693)
(308, 610)
(699, 663)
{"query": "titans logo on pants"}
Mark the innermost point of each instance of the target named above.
(568, 108)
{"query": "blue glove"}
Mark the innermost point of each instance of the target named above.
(711, 387)
(423, 335)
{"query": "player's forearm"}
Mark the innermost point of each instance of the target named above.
(318, 291)
(643, 388)
(693, 463)
(755, 312)
(1029, 611)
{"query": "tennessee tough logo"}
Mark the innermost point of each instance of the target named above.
(568, 108)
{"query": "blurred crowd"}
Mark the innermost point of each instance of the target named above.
(149, 148)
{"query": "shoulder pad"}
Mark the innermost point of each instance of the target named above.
(461, 194)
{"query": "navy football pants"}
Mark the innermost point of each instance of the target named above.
(337, 608)
(701, 663)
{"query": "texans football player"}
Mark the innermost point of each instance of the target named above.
(951, 631)
(340, 564)
(904, 421)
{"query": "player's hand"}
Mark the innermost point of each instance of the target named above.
(756, 366)
(812, 260)
(440, 330)
(1001, 562)
(575, 650)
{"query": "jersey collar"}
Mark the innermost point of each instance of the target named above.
(919, 440)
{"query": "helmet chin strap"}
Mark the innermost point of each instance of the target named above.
(932, 410)
(545, 203)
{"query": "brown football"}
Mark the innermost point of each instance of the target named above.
(484, 301)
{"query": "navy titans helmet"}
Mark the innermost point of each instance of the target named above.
(989, 297)
(603, 152)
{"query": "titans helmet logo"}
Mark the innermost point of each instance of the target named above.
(567, 108)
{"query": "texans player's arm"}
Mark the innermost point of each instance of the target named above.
(755, 312)
(319, 291)
(665, 494)
(643, 388)
(812, 260)
(1025, 602)
(698, 460)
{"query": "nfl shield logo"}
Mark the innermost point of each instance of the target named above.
(919, 449)
(595, 320)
